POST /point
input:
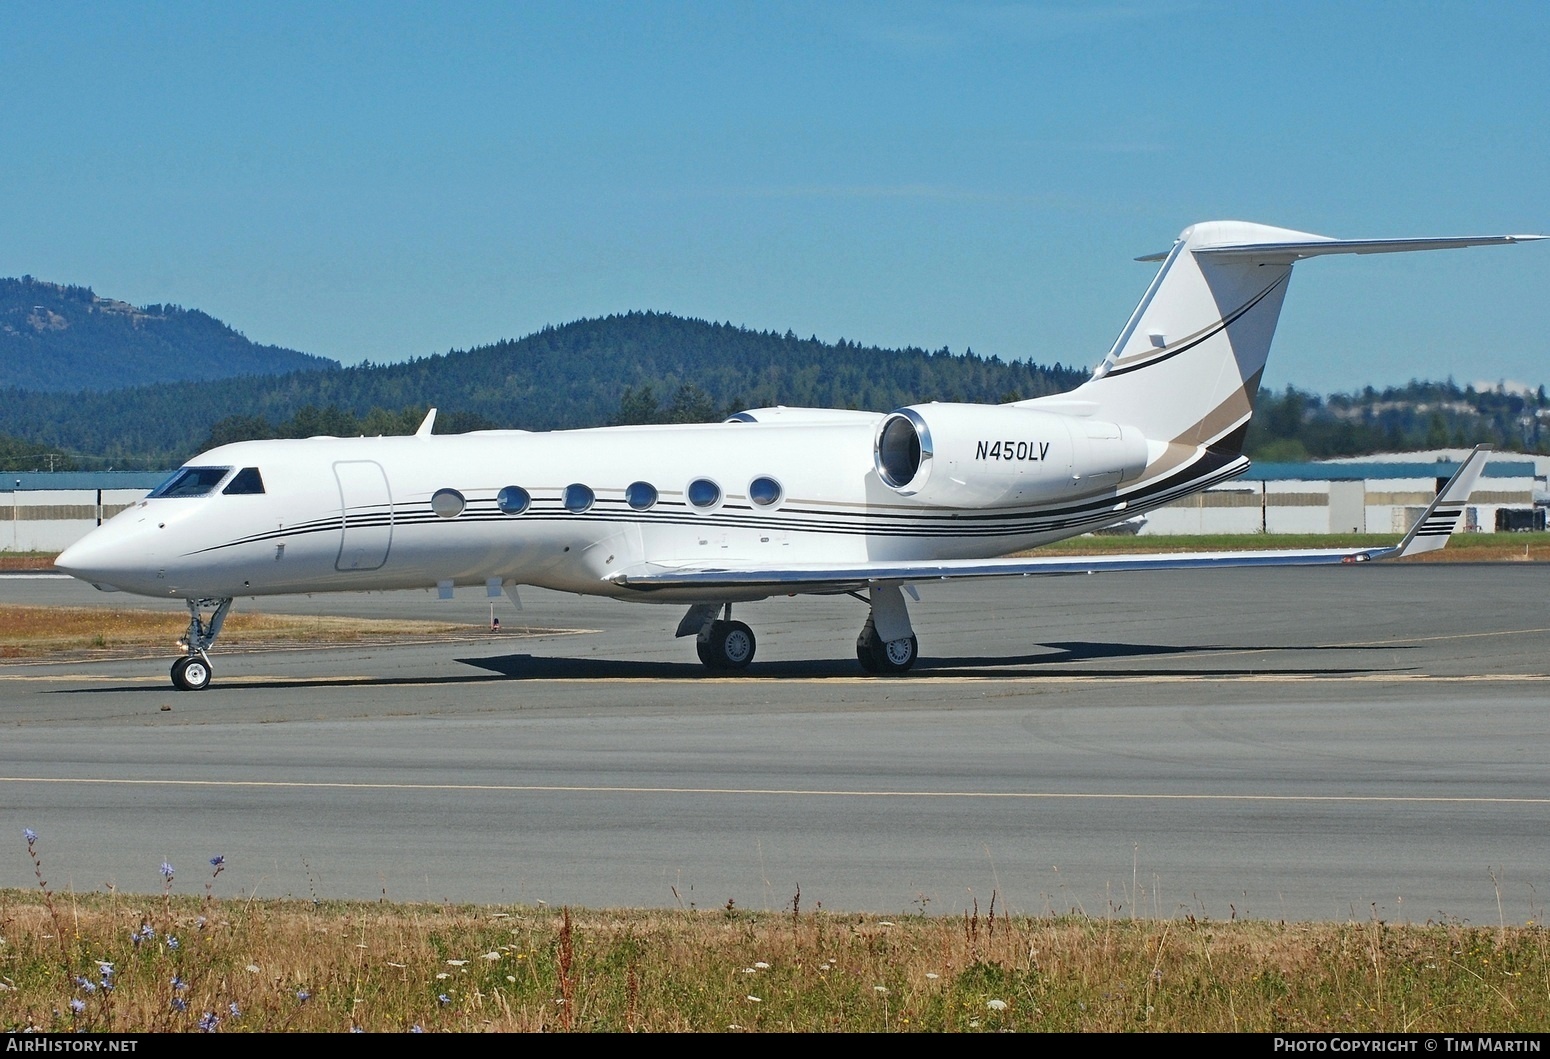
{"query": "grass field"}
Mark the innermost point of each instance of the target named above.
(106, 962)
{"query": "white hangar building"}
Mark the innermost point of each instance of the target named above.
(1373, 495)
(44, 511)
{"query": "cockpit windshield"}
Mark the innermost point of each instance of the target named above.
(191, 481)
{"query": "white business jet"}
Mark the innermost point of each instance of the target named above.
(774, 501)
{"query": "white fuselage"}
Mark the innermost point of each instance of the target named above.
(342, 514)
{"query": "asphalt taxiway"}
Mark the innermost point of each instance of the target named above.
(1300, 744)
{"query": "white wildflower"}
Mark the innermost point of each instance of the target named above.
(996, 1005)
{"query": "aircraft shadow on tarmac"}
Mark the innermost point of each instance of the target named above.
(1055, 658)
(1064, 659)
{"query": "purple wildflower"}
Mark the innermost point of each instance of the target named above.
(172, 942)
(167, 870)
(443, 998)
(77, 1005)
(303, 996)
(30, 835)
(179, 1004)
(178, 984)
(236, 1012)
(208, 1021)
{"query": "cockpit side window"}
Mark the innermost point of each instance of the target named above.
(191, 481)
(246, 482)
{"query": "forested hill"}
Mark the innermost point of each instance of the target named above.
(636, 367)
(64, 339)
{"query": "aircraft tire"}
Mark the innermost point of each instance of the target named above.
(728, 645)
(865, 649)
(878, 657)
(191, 674)
(897, 656)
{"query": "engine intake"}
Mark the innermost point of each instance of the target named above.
(971, 455)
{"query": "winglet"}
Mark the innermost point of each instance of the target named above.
(1443, 515)
(425, 427)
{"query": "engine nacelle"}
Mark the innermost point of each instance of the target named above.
(974, 455)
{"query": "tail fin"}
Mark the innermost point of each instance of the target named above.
(1186, 368)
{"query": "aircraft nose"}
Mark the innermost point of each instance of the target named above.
(100, 558)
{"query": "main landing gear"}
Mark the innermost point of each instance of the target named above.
(886, 646)
(721, 643)
(192, 672)
(880, 656)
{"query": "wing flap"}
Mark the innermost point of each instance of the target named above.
(840, 577)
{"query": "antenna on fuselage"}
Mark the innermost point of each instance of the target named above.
(425, 427)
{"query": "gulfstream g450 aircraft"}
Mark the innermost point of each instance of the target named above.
(774, 501)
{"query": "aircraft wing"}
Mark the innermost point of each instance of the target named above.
(1431, 531)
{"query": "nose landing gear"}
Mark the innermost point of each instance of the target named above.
(192, 672)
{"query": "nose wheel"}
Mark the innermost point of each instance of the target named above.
(191, 674)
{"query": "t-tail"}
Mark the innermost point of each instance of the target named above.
(1185, 370)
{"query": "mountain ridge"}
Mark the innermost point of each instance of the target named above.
(60, 338)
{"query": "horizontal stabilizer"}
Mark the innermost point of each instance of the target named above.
(1287, 252)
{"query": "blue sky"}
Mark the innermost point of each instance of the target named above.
(387, 180)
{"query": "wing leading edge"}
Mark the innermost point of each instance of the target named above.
(1441, 519)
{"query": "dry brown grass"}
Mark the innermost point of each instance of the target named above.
(336, 966)
(36, 632)
(27, 561)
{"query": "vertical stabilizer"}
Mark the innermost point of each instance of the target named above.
(1186, 368)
